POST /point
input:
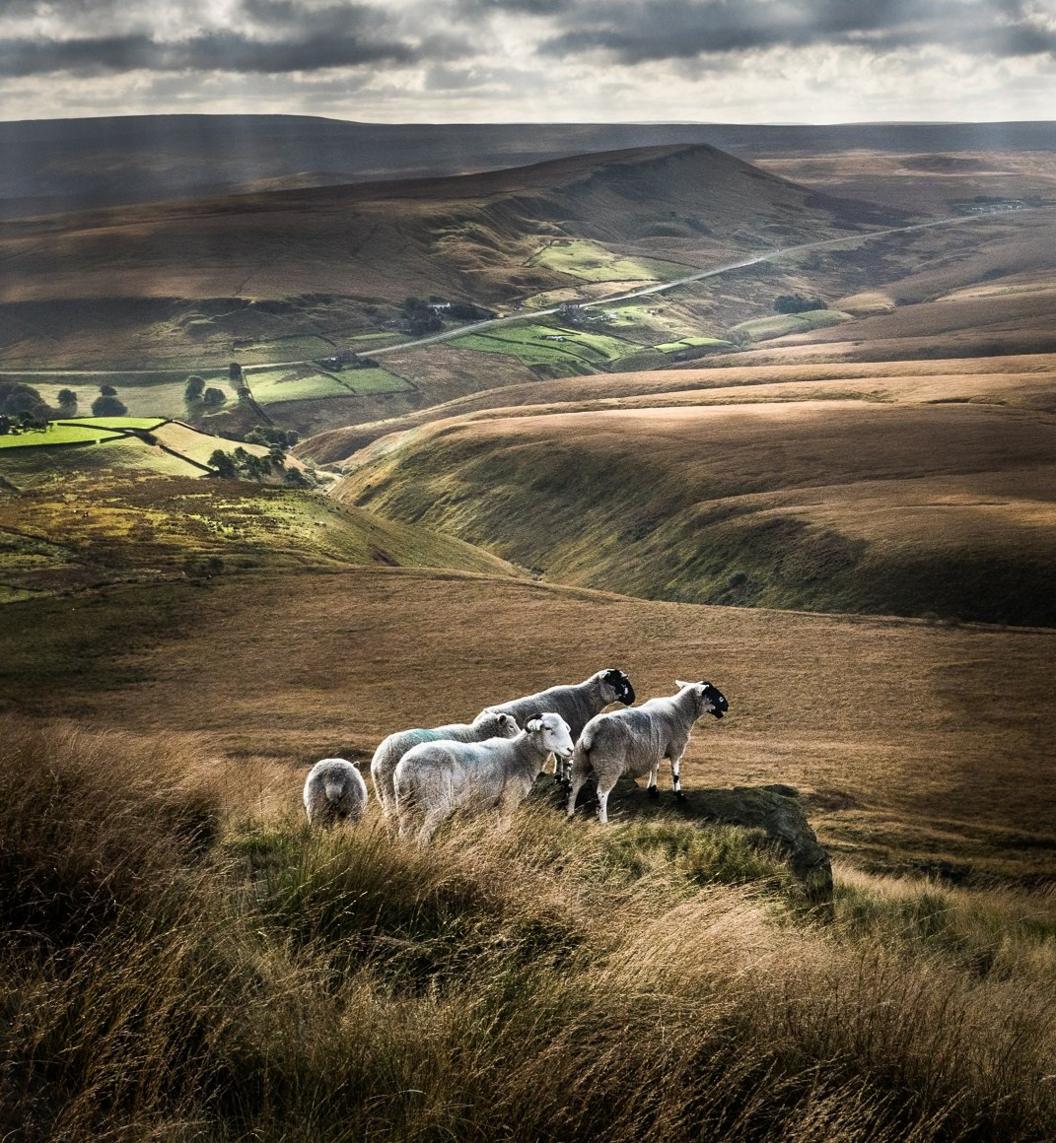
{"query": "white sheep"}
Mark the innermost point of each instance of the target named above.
(636, 741)
(334, 791)
(487, 724)
(576, 704)
(437, 778)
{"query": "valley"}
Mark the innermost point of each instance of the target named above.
(313, 430)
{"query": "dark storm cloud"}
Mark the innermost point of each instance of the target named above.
(273, 36)
(110, 37)
(202, 53)
(638, 30)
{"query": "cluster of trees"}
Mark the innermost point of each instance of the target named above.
(22, 408)
(270, 436)
(108, 403)
(197, 393)
(20, 402)
(423, 317)
(797, 303)
(244, 465)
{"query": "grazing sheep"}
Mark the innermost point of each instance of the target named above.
(577, 704)
(437, 778)
(636, 741)
(487, 724)
(334, 790)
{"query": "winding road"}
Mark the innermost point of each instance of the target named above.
(532, 315)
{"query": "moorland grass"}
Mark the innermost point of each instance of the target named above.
(191, 962)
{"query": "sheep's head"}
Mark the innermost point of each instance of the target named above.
(552, 734)
(616, 687)
(710, 700)
(495, 724)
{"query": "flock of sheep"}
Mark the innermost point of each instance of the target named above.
(422, 777)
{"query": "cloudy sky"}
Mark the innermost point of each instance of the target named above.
(532, 60)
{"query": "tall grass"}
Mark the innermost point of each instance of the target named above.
(190, 962)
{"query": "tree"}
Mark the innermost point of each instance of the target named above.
(108, 390)
(234, 372)
(108, 405)
(18, 400)
(195, 389)
(223, 464)
(68, 401)
(796, 303)
(213, 398)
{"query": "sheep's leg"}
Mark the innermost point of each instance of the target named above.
(579, 780)
(676, 778)
(430, 825)
(651, 789)
(603, 803)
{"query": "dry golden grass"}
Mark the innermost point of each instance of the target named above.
(919, 747)
(904, 496)
(268, 983)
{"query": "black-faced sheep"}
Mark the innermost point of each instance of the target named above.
(577, 704)
(636, 741)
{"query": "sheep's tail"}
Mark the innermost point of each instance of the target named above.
(581, 754)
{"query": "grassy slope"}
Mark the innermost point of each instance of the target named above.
(94, 531)
(148, 445)
(921, 748)
(829, 498)
(181, 282)
(215, 966)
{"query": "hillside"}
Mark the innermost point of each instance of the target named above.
(98, 528)
(64, 164)
(274, 273)
(916, 495)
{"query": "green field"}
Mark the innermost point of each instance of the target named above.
(573, 350)
(109, 443)
(56, 435)
(272, 386)
(689, 343)
(142, 396)
(759, 329)
(592, 262)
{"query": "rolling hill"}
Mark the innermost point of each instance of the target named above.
(930, 496)
(201, 280)
(64, 164)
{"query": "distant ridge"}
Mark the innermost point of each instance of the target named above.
(51, 165)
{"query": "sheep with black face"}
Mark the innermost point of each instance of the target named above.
(437, 778)
(636, 741)
(577, 704)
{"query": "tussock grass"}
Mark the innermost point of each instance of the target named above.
(244, 977)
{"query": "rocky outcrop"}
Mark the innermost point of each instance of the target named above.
(776, 810)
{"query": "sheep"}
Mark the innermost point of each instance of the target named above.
(636, 741)
(334, 790)
(487, 724)
(575, 704)
(435, 779)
